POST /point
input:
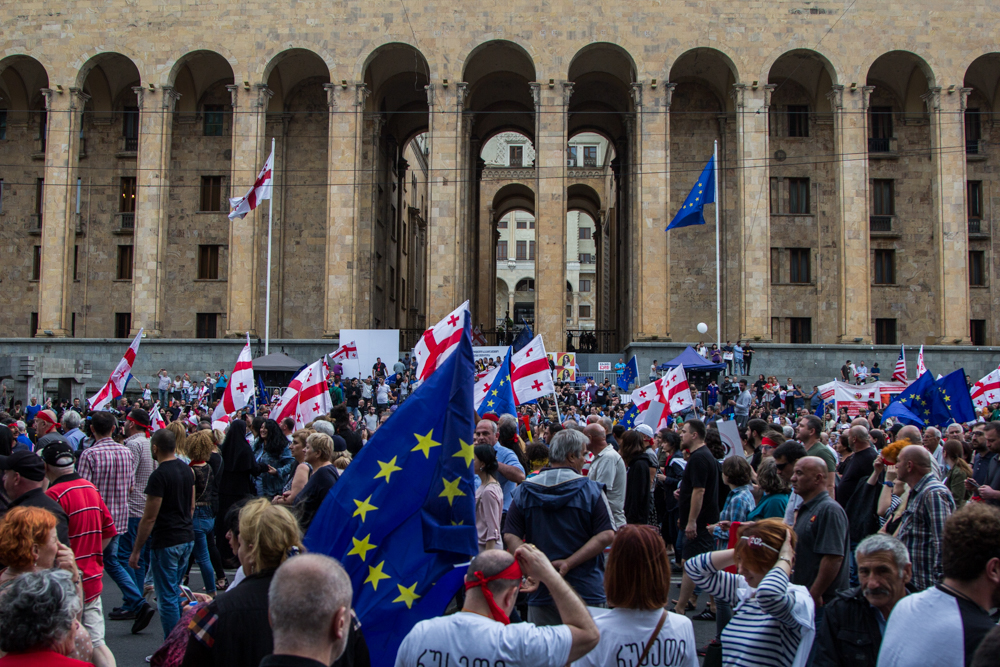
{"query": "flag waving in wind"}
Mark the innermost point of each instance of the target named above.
(529, 371)
(899, 374)
(629, 375)
(240, 389)
(987, 390)
(260, 191)
(921, 368)
(115, 385)
(702, 193)
(495, 392)
(440, 341)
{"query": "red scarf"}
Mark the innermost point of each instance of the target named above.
(512, 572)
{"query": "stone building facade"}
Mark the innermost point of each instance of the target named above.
(857, 149)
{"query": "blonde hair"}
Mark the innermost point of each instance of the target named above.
(180, 437)
(341, 460)
(270, 533)
(322, 444)
(302, 434)
(200, 445)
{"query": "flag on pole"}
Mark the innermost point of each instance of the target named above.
(524, 336)
(702, 193)
(288, 405)
(494, 393)
(899, 375)
(921, 368)
(345, 351)
(115, 385)
(675, 391)
(314, 398)
(261, 190)
(240, 390)
(986, 390)
(155, 419)
(629, 375)
(478, 338)
(440, 341)
(529, 372)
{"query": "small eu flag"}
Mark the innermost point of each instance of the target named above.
(630, 374)
(499, 397)
(902, 414)
(702, 193)
(524, 337)
(916, 397)
(403, 514)
(628, 419)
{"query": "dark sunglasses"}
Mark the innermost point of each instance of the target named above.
(780, 466)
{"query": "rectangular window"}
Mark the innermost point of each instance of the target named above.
(590, 156)
(977, 332)
(208, 262)
(885, 267)
(211, 193)
(33, 325)
(392, 284)
(885, 331)
(569, 311)
(72, 325)
(881, 122)
(43, 128)
(800, 330)
(214, 117)
(516, 156)
(571, 159)
(585, 311)
(798, 120)
(974, 199)
(125, 262)
(531, 250)
(39, 196)
(402, 294)
(502, 251)
(798, 196)
(883, 197)
(413, 190)
(207, 325)
(76, 262)
(584, 233)
(798, 265)
(1, 195)
(776, 267)
(977, 268)
(130, 128)
(586, 258)
(522, 224)
(502, 223)
(123, 325)
(36, 263)
(79, 194)
(3, 123)
(584, 285)
(126, 203)
(973, 125)
(522, 250)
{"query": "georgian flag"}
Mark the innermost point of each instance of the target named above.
(155, 420)
(288, 404)
(345, 351)
(478, 338)
(672, 390)
(314, 397)
(921, 369)
(529, 372)
(260, 191)
(115, 385)
(222, 423)
(986, 391)
(646, 394)
(899, 374)
(440, 341)
(240, 390)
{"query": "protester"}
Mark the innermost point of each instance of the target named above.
(236, 483)
(510, 471)
(38, 620)
(929, 505)
(638, 494)
(134, 606)
(958, 469)
(275, 458)
(489, 498)
(318, 452)
(608, 469)
(775, 492)
(300, 471)
(201, 446)
(23, 479)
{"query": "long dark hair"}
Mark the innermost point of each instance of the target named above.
(236, 453)
(632, 446)
(488, 457)
(276, 441)
(507, 436)
(6, 440)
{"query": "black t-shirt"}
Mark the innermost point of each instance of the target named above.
(352, 395)
(858, 469)
(601, 396)
(314, 493)
(702, 472)
(172, 481)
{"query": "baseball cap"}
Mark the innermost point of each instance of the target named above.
(26, 464)
(56, 451)
(645, 429)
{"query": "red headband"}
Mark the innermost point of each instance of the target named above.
(44, 416)
(512, 572)
(145, 428)
(767, 441)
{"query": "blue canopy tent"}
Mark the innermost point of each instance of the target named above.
(692, 362)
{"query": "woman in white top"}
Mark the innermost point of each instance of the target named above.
(773, 621)
(489, 498)
(637, 583)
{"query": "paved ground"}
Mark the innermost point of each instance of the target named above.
(131, 650)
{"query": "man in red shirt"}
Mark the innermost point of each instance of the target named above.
(91, 528)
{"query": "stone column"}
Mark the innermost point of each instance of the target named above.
(346, 104)
(653, 181)
(551, 102)
(850, 137)
(754, 211)
(951, 233)
(249, 153)
(156, 126)
(485, 307)
(62, 155)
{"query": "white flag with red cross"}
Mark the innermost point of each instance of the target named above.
(115, 385)
(240, 390)
(921, 367)
(986, 390)
(345, 351)
(529, 372)
(261, 190)
(675, 392)
(155, 419)
(440, 341)
(314, 397)
(288, 405)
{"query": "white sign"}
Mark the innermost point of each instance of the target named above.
(372, 344)
(653, 414)
(489, 352)
(729, 432)
(604, 365)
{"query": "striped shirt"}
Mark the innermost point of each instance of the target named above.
(111, 468)
(921, 528)
(772, 625)
(739, 503)
(138, 444)
(89, 523)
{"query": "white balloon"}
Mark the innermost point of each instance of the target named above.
(702, 327)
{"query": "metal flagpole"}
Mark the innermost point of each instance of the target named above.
(718, 269)
(267, 297)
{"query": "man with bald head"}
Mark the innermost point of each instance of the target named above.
(912, 434)
(607, 469)
(821, 563)
(922, 526)
(859, 467)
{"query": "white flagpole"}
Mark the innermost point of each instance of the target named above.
(267, 297)
(718, 280)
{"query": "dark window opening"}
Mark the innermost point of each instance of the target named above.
(798, 196)
(800, 330)
(211, 193)
(798, 120)
(977, 332)
(590, 156)
(207, 325)
(977, 268)
(516, 156)
(123, 324)
(502, 250)
(885, 267)
(130, 128)
(125, 255)
(885, 331)
(208, 262)
(798, 264)
(215, 115)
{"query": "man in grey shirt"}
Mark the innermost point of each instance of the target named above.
(608, 469)
(742, 405)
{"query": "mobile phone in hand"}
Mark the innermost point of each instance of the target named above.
(973, 482)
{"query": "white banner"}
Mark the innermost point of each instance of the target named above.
(489, 352)
(372, 344)
(855, 397)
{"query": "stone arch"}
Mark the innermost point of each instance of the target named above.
(581, 197)
(197, 56)
(292, 52)
(524, 50)
(196, 74)
(22, 79)
(808, 71)
(396, 75)
(513, 197)
(983, 76)
(709, 67)
(495, 151)
(289, 71)
(498, 74)
(108, 78)
(602, 74)
(905, 76)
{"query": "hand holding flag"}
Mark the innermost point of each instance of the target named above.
(115, 386)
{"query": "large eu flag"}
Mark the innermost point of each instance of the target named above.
(402, 515)
(702, 193)
(916, 397)
(628, 419)
(951, 400)
(629, 375)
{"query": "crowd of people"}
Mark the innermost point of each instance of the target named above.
(824, 541)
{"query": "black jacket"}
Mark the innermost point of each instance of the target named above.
(242, 633)
(849, 634)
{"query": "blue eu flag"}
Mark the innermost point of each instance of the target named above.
(500, 395)
(902, 414)
(702, 193)
(630, 374)
(524, 337)
(628, 419)
(916, 397)
(951, 400)
(403, 515)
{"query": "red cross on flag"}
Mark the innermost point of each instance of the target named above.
(115, 385)
(675, 392)
(529, 372)
(288, 404)
(478, 338)
(155, 420)
(314, 399)
(440, 341)
(345, 351)
(646, 394)
(240, 389)
(986, 391)
(921, 368)
(261, 190)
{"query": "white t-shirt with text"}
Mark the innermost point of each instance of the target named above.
(624, 633)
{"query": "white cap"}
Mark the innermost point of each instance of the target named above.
(645, 429)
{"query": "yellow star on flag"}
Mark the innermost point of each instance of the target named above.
(466, 452)
(375, 575)
(451, 490)
(388, 467)
(458, 523)
(494, 392)
(502, 381)
(489, 403)
(364, 506)
(361, 547)
(424, 443)
(407, 594)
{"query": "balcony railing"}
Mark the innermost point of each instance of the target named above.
(976, 226)
(881, 145)
(125, 221)
(130, 144)
(880, 223)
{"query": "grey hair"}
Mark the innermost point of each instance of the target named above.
(507, 418)
(71, 419)
(882, 542)
(606, 423)
(788, 431)
(323, 426)
(566, 443)
(305, 594)
(37, 610)
(493, 425)
(931, 430)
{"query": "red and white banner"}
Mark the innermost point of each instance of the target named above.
(222, 423)
(921, 368)
(345, 351)
(260, 191)
(240, 390)
(672, 390)
(115, 385)
(314, 398)
(478, 338)
(529, 372)
(986, 391)
(288, 405)
(440, 341)
(856, 397)
(155, 419)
